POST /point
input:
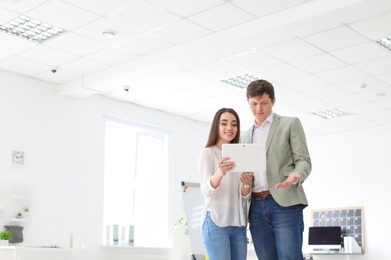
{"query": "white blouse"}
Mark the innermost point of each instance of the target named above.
(226, 204)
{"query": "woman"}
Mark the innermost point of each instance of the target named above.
(224, 217)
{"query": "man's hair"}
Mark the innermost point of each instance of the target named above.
(260, 87)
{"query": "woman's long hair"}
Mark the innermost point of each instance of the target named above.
(214, 129)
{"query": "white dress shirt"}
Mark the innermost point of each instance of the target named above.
(260, 133)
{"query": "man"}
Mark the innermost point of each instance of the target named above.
(278, 200)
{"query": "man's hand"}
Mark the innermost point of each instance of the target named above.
(292, 179)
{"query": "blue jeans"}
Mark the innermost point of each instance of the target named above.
(277, 231)
(224, 243)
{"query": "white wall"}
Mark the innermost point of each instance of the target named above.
(352, 170)
(63, 140)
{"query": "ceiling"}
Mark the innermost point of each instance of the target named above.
(173, 54)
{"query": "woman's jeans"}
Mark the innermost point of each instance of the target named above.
(224, 243)
(276, 231)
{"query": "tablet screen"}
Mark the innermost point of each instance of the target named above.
(247, 157)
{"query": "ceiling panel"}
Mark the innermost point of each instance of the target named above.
(61, 14)
(292, 50)
(135, 15)
(360, 53)
(336, 38)
(173, 55)
(220, 17)
(317, 63)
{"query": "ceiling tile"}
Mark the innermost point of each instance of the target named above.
(374, 28)
(377, 95)
(361, 53)
(357, 109)
(156, 87)
(264, 7)
(293, 99)
(186, 7)
(354, 122)
(47, 55)
(186, 79)
(253, 60)
(216, 89)
(385, 77)
(113, 56)
(29, 68)
(341, 74)
(67, 42)
(181, 31)
(60, 77)
(281, 72)
(343, 101)
(326, 92)
(6, 16)
(382, 117)
(318, 63)
(305, 82)
(221, 17)
(376, 66)
(135, 15)
(182, 109)
(341, 37)
(144, 45)
(21, 6)
(84, 66)
(311, 105)
(95, 29)
(4, 56)
(292, 50)
(385, 103)
(58, 13)
(14, 45)
(101, 7)
(362, 84)
(216, 70)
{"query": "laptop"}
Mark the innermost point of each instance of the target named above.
(247, 157)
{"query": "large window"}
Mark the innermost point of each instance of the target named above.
(136, 185)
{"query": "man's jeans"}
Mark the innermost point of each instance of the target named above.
(277, 232)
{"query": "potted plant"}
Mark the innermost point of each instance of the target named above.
(5, 237)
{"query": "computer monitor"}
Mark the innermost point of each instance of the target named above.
(324, 238)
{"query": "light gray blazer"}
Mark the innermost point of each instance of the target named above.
(286, 152)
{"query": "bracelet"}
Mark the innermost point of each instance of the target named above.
(246, 186)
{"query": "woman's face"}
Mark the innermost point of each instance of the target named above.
(228, 127)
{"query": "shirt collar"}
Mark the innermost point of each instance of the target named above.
(268, 120)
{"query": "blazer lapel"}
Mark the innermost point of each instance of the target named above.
(272, 130)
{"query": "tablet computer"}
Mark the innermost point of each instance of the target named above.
(247, 157)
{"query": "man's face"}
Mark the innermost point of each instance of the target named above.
(261, 107)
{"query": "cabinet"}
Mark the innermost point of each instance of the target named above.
(7, 253)
(33, 253)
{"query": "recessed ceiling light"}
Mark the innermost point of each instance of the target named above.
(109, 34)
(240, 81)
(385, 42)
(331, 113)
(30, 29)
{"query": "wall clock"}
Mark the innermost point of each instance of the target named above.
(17, 157)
